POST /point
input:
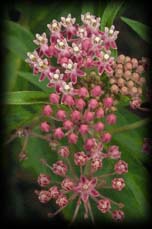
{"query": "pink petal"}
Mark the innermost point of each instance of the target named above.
(101, 69)
(107, 45)
(42, 76)
(93, 181)
(84, 197)
(35, 71)
(58, 88)
(83, 179)
(108, 69)
(113, 45)
(50, 85)
(77, 188)
(80, 73)
(69, 35)
(66, 77)
(74, 78)
(94, 193)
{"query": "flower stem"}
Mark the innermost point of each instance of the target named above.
(76, 210)
(33, 134)
(71, 169)
(91, 212)
(130, 126)
(106, 175)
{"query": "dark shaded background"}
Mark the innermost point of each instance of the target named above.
(20, 204)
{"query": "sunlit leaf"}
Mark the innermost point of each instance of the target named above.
(141, 29)
(110, 13)
(26, 97)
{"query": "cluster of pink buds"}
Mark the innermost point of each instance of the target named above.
(127, 79)
(83, 115)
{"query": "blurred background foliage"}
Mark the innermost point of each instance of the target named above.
(22, 21)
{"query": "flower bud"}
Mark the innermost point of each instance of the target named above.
(62, 201)
(80, 104)
(44, 196)
(83, 129)
(59, 168)
(100, 113)
(114, 152)
(99, 126)
(67, 184)
(43, 180)
(104, 205)
(88, 116)
(111, 119)
(114, 89)
(47, 110)
(75, 116)
(61, 115)
(80, 158)
(68, 100)
(108, 102)
(121, 59)
(121, 167)
(93, 103)
(118, 184)
(45, 127)
(67, 125)
(54, 98)
(54, 192)
(106, 137)
(58, 133)
(96, 91)
(64, 151)
(83, 92)
(89, 143)
(96, 164)
(118, 215)
(72, 138)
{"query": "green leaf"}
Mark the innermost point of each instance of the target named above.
(18, 116)
(26, 98)
(35, 81)
(87, 6)
(13, 64)
(17, 47)
(38, 149)
(110, 13)
(18, 39)
(141, 29)
(135, 195)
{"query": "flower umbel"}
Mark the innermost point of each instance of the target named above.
(86, 82)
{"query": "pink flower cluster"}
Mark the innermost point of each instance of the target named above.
(83, 116)
(83, 188)
(78, 117)
(72, 48)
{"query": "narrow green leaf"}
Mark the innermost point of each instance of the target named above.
(87, 6)
(110, 13)
(35, 81)
(13, 64)
(17, 47)
(18, 39)
(18, 116)
(25, 97)
(20, 32)
(141, 29)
